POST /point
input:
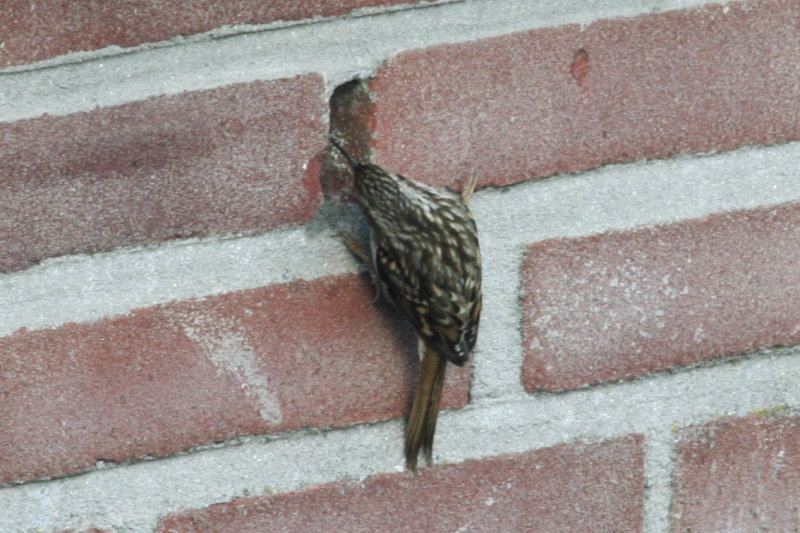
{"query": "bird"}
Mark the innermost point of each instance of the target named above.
(425, 259)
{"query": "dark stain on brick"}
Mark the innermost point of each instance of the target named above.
(580, 65)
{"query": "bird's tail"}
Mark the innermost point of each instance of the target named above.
(425, 410)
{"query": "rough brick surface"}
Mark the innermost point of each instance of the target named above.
(618, 305)
(578, 487)
(39, 30)
(739, 474)
(565, 99)
(163, 379)
(242, 158)
(351, 112)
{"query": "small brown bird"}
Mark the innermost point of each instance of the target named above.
(426, 260)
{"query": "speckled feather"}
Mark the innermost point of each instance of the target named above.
(425, 251)
(426, 260)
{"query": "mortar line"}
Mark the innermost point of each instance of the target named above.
(134, 496)
(659, 465)
(615, 197)
(339, 48)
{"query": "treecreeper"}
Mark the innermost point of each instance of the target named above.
(425, 259)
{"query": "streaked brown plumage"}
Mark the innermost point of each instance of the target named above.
(426, 260)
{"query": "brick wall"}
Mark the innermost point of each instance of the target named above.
(186, 346)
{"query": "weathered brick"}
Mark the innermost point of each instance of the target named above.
(569, 98)
(739, 474)
(576, 487)
(38, 30)
(171, 377)
(618, 305)
(241, 159)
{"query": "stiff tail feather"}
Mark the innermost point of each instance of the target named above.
(425, 410)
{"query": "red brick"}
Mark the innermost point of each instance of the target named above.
(577, 487)
(569, 98)
(39, 30)
(739, 474)
(618, 305)
(242, 158)
(171, 377)
(351, 112)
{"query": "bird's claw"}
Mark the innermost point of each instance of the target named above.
(358, 251)
(469, 188)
